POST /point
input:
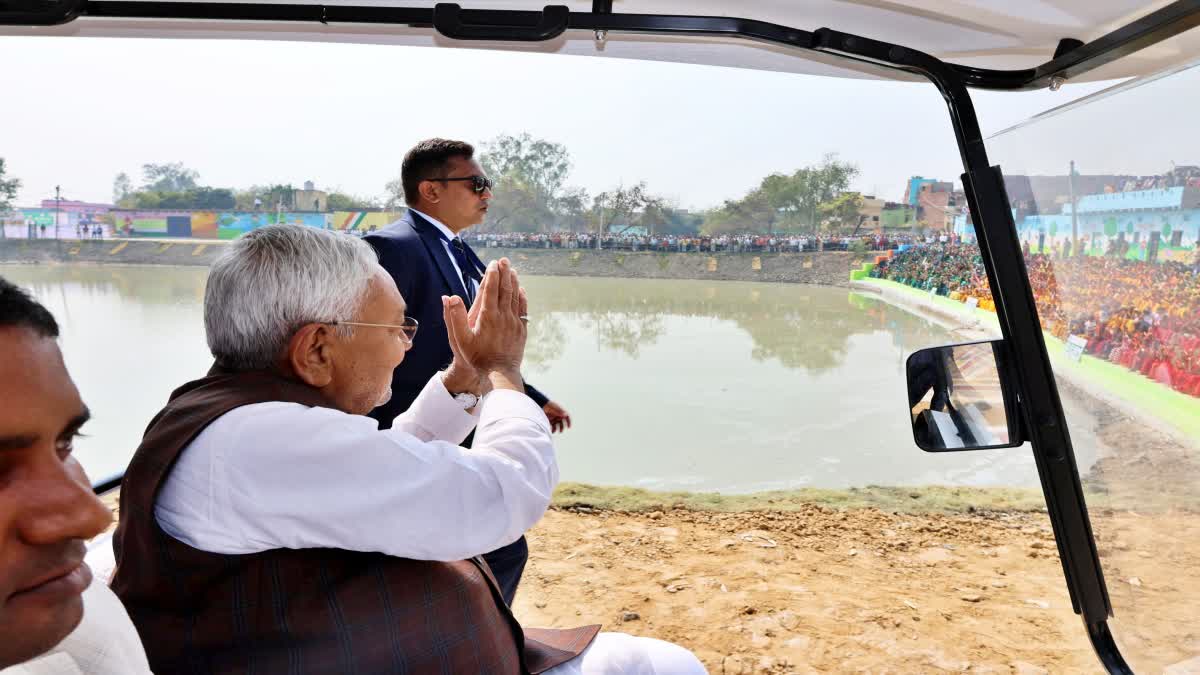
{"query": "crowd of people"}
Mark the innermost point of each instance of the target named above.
(1141, 315)
(693, 243)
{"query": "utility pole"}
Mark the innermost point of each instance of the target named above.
(599, 223)
(1074, 211)
(57, 207)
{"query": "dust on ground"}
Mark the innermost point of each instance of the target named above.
(820, 589)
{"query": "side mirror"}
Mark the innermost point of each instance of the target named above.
(962, 397)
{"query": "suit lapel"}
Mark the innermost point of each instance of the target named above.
(437, 251)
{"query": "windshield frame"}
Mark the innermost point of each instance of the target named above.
(1041, 412)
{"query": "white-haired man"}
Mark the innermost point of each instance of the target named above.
(268, 525)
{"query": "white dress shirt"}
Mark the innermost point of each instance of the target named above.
(283, 475)
(449, 234)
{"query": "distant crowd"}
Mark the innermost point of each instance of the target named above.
(725, 243)
(1141, 315)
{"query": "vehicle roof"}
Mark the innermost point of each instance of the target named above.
(994, 34)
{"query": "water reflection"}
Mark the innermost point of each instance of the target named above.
(781, 320)
(722, 386)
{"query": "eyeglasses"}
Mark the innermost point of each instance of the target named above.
(408, 328)
(478, 183)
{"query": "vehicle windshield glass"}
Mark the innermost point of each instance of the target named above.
(1107, 201)
(727, 271)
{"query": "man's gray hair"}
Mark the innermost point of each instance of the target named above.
(273, 280)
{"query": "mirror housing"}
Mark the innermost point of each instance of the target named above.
(963, 397)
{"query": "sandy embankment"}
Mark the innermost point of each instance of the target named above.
(817, 589)
(822, 589)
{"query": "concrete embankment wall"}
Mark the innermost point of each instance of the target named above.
(110, 251)
(827, 268)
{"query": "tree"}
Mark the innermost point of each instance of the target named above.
(842, 210)
(572, 208)
(122, 186)
(265, 197)
(518, 206)
(786, 199)
(205, 198)
(340, 201)
(530, 176)
(660, 217)
(394, 194)
(541, 164)
(751, 213)
(8, 189)
(823, 183)
(174, 177)
(622, 206)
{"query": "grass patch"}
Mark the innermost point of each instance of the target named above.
(926, 499)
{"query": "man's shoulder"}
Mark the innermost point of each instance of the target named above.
(397, 238)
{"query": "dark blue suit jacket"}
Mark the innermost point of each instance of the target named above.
(411, 250)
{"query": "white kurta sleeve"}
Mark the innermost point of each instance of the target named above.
(282, 475)
(435, 415)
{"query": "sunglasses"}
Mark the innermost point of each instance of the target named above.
(478, 183)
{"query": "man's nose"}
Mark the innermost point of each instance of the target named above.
(61, 506)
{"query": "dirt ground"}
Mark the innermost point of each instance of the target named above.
(824, 590)
(815, 590)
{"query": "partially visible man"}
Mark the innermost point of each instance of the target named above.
(268, 525)
(447, 192)
(54, 618)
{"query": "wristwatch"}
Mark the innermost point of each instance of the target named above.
(466, 399)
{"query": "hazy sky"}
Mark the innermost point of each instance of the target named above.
(78, 111)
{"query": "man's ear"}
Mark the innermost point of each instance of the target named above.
(429, 191)
(309, 356)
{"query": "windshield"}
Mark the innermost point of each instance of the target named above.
(1107, 201)
(727, 271)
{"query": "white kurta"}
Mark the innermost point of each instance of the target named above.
(104, 643)
(283, 475)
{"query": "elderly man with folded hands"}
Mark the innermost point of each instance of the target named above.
(268, 525)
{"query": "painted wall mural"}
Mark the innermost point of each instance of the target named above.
(362, 221)
(233, 224)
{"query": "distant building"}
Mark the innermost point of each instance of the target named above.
(871, 211)
(896, 216)
(1048, 195)
(310, 198)
(917, 184)
(934, 202)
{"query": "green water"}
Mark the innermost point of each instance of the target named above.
(673, 385)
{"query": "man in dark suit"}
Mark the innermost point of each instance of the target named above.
(447, 192)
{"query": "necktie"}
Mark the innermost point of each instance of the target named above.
(469, 274)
